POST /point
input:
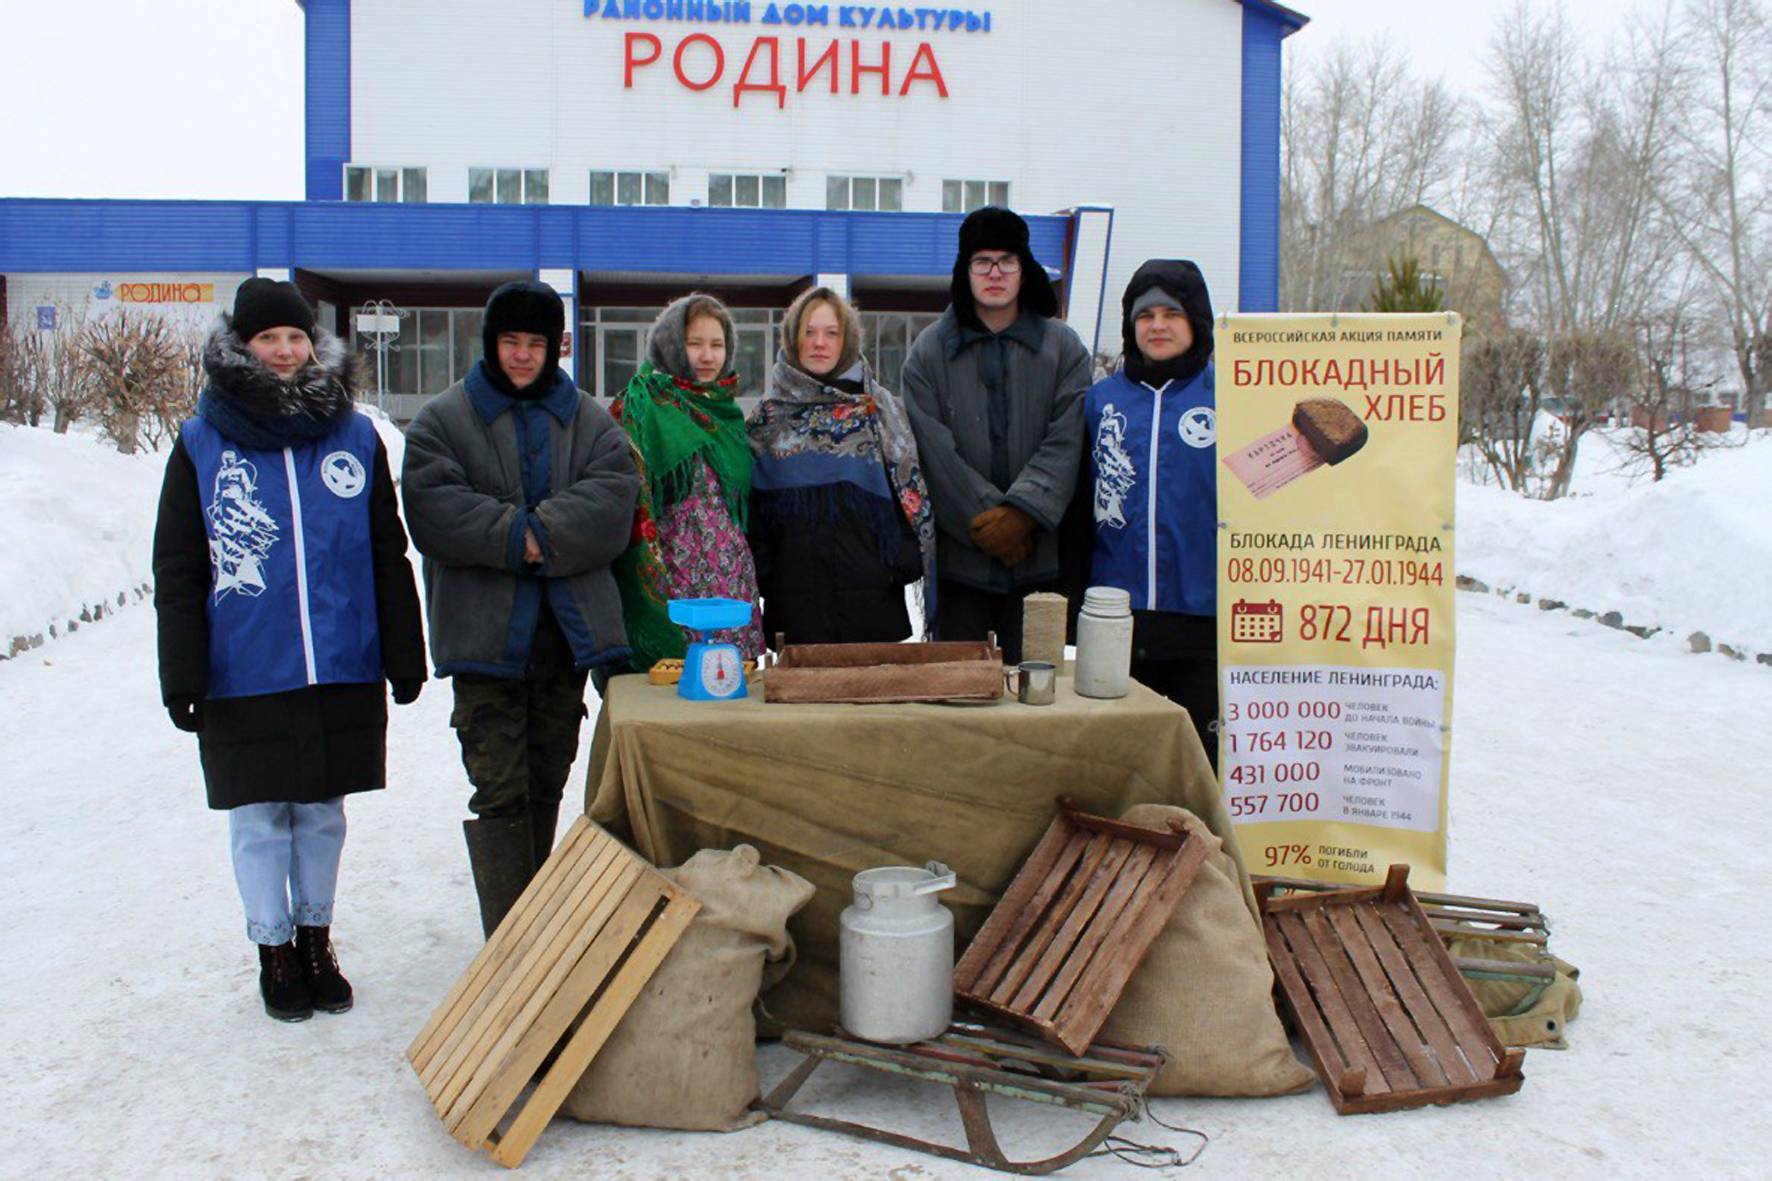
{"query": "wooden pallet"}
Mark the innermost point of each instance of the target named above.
(1060, 946)
(581, 942)
(1383, 1011)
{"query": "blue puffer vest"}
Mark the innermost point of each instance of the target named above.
(292, 598)
(1153, 453)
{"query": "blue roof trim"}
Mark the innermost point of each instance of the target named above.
(328, 97)
(1258, 271)
(38, 235)
(1290, 21)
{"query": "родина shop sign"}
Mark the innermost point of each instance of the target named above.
(1337, 443)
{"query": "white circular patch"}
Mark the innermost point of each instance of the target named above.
(343, 474)
(1198, 427)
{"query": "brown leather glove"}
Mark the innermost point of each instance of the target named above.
(1002, 530)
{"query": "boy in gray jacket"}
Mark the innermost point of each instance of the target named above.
(519, 492)
(995, 392)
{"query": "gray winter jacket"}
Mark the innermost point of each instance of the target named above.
(481, 471)
(998, 420)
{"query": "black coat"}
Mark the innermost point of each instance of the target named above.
(829, 577)
(303, 745)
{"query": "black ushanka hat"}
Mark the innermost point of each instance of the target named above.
(996, 228)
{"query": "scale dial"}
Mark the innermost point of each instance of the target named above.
(722, 671)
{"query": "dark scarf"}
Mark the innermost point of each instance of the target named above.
(854, 416)
(248, 403)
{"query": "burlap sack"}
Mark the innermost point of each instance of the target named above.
(685, 1054)
(1204, 991)
(1520, 1014)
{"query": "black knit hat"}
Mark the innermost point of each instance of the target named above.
(524, 306)
(266, 303)
(995, 228)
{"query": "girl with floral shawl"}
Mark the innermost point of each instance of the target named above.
(840, 516)
(695, 483)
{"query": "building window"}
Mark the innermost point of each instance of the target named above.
(864, 192)
(508, 186)
(364, 183)
(630, 188)
(963, 196)
(748, 190)
(436, 347)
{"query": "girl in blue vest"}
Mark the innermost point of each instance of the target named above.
(285, 601)
(1150, 465)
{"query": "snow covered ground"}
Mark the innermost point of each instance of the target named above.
(1620, 784)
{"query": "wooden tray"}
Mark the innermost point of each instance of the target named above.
(1386, 1017)
(950, 670)
(1060, 946)
(584, 938)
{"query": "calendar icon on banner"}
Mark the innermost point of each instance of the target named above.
(1257, 623)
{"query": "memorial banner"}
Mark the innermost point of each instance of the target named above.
(1337, 440)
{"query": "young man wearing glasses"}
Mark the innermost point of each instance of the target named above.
(995, 392)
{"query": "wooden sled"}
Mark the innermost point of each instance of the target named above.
(1108, 1082)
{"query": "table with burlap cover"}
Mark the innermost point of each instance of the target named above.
(827, 791)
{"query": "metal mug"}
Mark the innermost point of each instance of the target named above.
(1036, 682)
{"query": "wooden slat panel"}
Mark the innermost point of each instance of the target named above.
(1318, 1041)
(1378, 1038)
(1402, 977)
(1403, 1031)
(1113, 908)
(1065, 941)
(1335, 1009)
(1126, 946)
(498, 958)
(539, 947)
(507, 1066)
(599, 1023)
(471, 982)
(1049, 921)
(1015, 913)
(1444, 986)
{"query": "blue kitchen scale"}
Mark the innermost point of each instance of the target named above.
(711, 672)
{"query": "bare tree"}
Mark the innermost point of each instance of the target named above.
(1671, 377)
(142, 378)
(1720, 198)
(1579, 156)
(1361, 137)
(1588, 371)
(1502, 389)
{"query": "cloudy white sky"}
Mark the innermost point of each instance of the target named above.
(203, 98)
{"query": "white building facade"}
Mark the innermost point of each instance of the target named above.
(626, 151)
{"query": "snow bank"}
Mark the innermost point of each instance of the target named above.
(1691, 553)
(76, 527)
(77, 523)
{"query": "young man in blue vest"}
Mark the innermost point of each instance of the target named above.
(1150, 434)
(519, 492)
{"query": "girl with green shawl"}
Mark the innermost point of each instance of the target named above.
(682, 416)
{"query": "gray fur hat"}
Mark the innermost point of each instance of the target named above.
(666, 343)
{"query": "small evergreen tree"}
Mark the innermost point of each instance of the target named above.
(1403, 289)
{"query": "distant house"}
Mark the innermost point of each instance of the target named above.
(1455, 259)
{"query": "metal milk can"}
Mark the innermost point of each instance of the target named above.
(897, 955)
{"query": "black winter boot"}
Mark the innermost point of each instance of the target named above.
(281, 983)
(543, 819)
(501, 850)
(329, 991)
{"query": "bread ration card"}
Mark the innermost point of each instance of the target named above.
(1273, 461)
